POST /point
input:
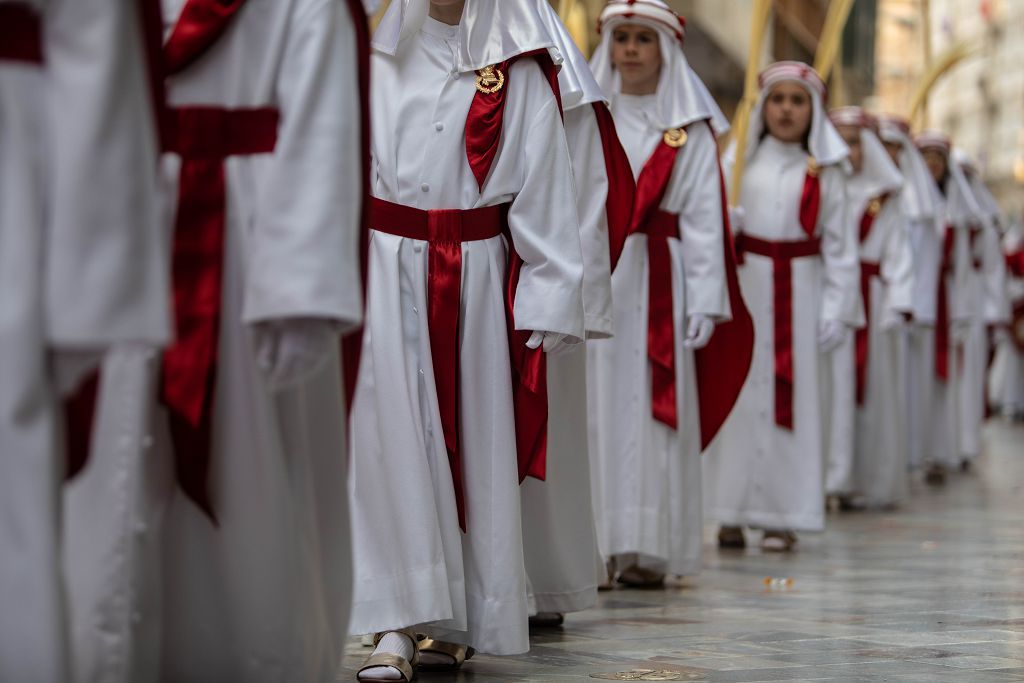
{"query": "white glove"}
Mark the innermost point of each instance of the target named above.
(290, 351)
(70, 367)
(831, 334)
(737, 219)
(699, 329)
(554, 343)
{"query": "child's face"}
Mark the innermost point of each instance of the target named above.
(851, 135)
(636, 54)
(787, 112)
(936, 162)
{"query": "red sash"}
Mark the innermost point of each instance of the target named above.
(868, 270)
(199, 25)
(21, 33)
(444, 230)
(529, 366)
(810, 199)
(782, 255)
(722, 365)
(351, 345)
(204, 138)
(621, 187)
(1015, 263)
(942, 321)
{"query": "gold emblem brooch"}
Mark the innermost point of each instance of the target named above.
(490, 80)
(813, 169)
(875, 207)
(675, 137)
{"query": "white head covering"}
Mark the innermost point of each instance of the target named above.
(824, 142)
(988, 207)
(920, 198)
(575, 80)
(879, 174)
(490, 32)
(962, 209)
(682, 98)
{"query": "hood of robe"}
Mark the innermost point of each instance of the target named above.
(682, 97)
(575, 80)
(824, 143)
(988, 206)
(920, 198)
(879, 174)
(491, 31)
(962, 209)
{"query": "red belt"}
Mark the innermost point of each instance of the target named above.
(445, 230)
(661, 344)
(204, 137)
(868, 271)
(782, 254)
(942, 309)
(20, 33)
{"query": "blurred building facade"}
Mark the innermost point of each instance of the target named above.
(979, 101)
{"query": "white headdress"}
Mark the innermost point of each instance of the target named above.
(682, 97)
(491, 31)
(988, 207)
(879, 174)
(823, 142)
(962, 209)
(920, 198)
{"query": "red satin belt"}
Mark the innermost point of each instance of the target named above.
(20, 33)
(868, 271)
(445, 230)
(204, 137)
(942, 309)
(782, 255)
(661, 341)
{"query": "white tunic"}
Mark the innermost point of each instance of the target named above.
(880, 473)
(758, 473)
(647, 477)
(559, 534)
(264, 595)
(81, 265)
(416, 567)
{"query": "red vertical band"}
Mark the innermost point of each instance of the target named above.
(621, 186)
(942, 321)
(862, 339)
(810, 201)
(661, 340)
(21, 33)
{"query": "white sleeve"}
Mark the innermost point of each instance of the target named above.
(591, 180)
(694, 193)
(305, 240)
(897, 261)
(997, 294)
(839, 252)
(542, 217)
(108, 259)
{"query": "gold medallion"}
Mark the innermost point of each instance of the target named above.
(490, 80)
(875, 207)
(675, 137)
(812, 167)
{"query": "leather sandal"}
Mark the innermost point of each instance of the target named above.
(458, 654)
(639, 577)
(732, 537)
(547, 620)
(388, 659)
(778, 541)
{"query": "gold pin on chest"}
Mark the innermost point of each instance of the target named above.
(490, 80)
(675, 137)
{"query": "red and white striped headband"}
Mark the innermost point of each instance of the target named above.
(853, 116)
(625, 11)
(933, 139)
(793, 71)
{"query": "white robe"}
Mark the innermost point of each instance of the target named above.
(1006, 377)
(647, 477)
(416, 567)
(80, 263)
(759, 474)
(559, 533)
(263, 596)
(880, 470)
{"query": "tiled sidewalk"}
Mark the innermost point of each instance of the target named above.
(930, 593)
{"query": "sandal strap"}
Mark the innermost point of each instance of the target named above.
(458, 653)
(386, 659)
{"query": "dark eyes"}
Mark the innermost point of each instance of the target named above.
(641, 38)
